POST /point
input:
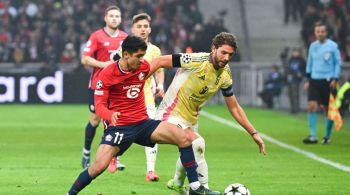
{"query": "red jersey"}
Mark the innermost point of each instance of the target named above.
(102, 47)
(121, 92)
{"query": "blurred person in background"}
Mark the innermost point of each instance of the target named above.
(322, 71)
(295, 71)
(272, 87)
(100, 51)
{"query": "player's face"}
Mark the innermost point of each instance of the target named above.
(320, 33)
(113, 19)
(222, 55)
(141, 29)
(134, 60)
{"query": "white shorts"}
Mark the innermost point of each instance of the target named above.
(151, 111)
(183, 124)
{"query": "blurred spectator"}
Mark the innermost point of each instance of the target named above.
(292, 8)
(295, 71)
(272, 87)
(335, 14)
(61, 22)
(69, 54)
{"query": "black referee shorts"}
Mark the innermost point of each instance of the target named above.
(319, 91)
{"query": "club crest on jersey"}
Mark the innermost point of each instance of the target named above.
(141, 76)
(186, 58)
(99, 84)
(106, 43)
(108, 138)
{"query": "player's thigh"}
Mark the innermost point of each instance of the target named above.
(171, 134)
(105, 153)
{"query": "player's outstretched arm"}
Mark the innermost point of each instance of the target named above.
(91, 62)
(238, 113)
(165, 61)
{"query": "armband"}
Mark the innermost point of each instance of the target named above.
(227, 92)
(176, 60)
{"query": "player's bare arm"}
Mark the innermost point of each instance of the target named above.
(91, 62)
(238, 113)
(160, 62)
(160, 82)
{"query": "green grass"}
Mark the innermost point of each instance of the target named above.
(40, 153)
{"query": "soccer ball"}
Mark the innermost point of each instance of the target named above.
(236, 189)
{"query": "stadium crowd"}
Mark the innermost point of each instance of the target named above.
(334, 13)
(56, 30)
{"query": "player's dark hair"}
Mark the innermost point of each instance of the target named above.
(319, 23)
(132, 44)
(112, 7)
(225, 38)
(141, 16)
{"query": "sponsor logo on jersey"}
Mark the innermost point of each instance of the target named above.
(186, 58)
(204, 90)
(99, 84)
(106, 43)
(202, 77)
(108, 138)
(141, 76)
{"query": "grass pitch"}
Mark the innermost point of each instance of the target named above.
(41, 145)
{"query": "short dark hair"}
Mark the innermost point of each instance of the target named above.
(225, 38)
(319, 23)
(141, 16)
(132, 44)
(111, 7)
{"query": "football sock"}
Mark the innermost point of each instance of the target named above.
(312, 118)
(180, 173)
(81, 182)
(329, 125)
(89, 135)
(189, 163)
(202, 170)
(151, 156)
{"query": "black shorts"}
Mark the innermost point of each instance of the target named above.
(319, 91)
(91, 94)
(124, 136)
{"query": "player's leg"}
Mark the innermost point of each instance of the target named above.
(151, 152)
(104, 155)
(313, 96)
(198, 149)
(324, 100)
(90, 130)
(171, 134)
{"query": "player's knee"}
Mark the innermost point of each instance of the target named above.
(185, 140)
(199, 149)
(94, 120)
(96, 169)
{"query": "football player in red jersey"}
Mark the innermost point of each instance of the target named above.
(120, 102)
(99, 52)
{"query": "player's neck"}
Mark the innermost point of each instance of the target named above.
(111, 32)
(211, 60)
(123, 66)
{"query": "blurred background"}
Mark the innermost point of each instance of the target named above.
(41, 42)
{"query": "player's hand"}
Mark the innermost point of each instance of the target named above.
(260, 143)
(160, 90)
(115, 117)
(306, 85)
(333, 84)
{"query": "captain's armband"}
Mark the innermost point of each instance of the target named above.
(176, 60)
(227, 92)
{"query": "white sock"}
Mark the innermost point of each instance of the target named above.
(180, 173)
(202, 170)
(195, 185)
(151, 156)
